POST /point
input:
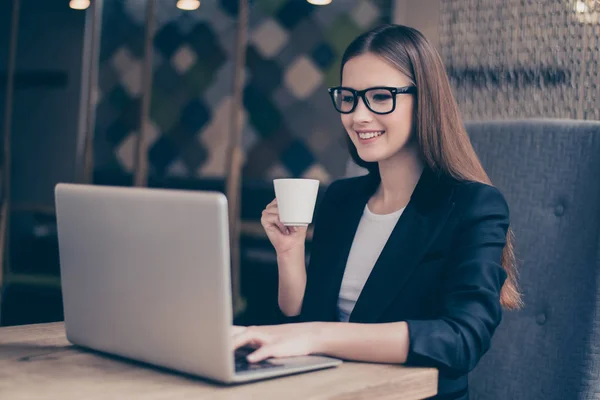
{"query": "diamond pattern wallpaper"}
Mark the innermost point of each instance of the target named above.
(293, 53)
(523, 59)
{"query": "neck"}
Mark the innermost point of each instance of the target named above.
(399, 177)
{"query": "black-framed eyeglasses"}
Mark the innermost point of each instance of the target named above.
(380, 99)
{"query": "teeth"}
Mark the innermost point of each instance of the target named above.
(369, 135)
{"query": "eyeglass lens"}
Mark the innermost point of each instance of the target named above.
(378, 100)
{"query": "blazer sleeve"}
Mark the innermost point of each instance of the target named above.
(470, 310)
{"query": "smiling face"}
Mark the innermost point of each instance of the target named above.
(377, 137)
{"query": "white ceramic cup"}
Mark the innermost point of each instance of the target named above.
(296, 200)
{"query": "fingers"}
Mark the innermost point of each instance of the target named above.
(250, 337)
(262, 353)
(272, 204)
(255, 338)
(236, 330)
(301, 229)
(269, 220)
(272, 218)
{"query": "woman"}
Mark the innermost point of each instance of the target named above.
(413, 262)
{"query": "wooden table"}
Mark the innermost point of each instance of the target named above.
(37, 362)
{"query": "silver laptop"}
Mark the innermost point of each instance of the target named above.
(146, 276)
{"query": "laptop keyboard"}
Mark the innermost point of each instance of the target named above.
(242, 364)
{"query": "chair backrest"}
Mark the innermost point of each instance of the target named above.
(549, 171)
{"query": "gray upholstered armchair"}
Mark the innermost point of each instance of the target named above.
(549, 171)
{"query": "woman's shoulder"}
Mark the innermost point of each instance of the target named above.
(467, 194)
(473, 196)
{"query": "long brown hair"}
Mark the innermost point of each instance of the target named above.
(440, 132)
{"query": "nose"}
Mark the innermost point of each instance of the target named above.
(361, 112)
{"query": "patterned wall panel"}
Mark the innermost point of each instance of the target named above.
(293, 54)
(520, 59)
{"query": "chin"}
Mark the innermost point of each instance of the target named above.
(371, 157)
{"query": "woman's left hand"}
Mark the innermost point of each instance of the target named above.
(277, 341)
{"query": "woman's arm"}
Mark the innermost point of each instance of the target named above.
(292, 266)
(289, 244)
(292, 281)
(470, 310)
(454, 341)
(381, 343)
(384, 343)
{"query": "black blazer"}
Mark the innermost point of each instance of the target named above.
(439, 271)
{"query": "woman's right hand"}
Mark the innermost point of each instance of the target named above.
(283, 238)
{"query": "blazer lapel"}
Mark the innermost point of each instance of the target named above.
(415, 231)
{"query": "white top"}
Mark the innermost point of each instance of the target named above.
(370, 238)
